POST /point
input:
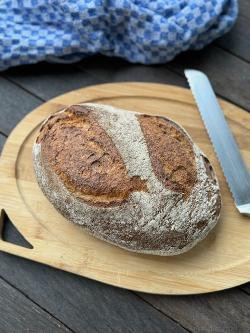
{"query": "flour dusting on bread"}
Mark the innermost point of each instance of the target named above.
(155, 220)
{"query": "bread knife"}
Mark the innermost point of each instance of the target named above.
(225, 146)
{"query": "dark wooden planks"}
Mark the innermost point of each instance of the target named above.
(224, 69)
(15, 103)
(118, 70)
(2, 140)
(246, 288)
(227, 311)
(244, 8)
(49, 80)
(19, 314)
(237, 40)
(229, 75)
(82, 304)
(12, 235)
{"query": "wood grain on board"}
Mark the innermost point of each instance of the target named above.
(44, 285)
(216, 263)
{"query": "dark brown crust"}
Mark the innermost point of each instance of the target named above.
(84, 157)
(171, 153)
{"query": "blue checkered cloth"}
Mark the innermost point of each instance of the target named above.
(140, 31)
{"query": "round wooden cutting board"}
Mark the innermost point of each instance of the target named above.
(221, 261)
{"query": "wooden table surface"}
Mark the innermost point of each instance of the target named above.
(37, 298)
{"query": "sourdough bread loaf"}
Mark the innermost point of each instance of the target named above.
(134, 180)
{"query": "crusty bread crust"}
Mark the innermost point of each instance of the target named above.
(85, 158)
(136, 181)
(171, 153)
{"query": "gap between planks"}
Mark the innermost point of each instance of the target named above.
(159, 310)
(38, 305)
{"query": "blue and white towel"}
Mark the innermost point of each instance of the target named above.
(141, 31)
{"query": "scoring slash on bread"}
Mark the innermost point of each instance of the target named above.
(133, 180)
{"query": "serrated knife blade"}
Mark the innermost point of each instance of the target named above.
(225, 146)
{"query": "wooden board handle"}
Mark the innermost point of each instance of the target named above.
(221, 261)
